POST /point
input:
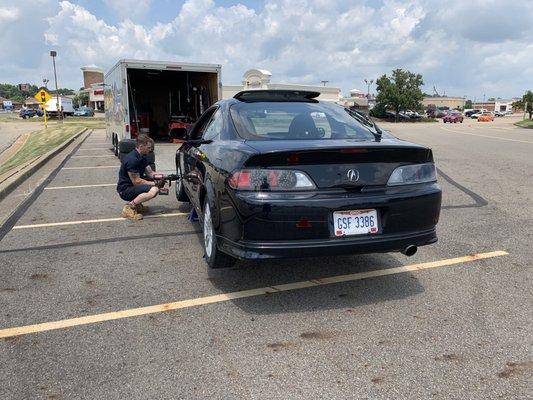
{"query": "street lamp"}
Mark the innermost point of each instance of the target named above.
(45, 83)
(53, 54)
(324, 82)
(368, 83)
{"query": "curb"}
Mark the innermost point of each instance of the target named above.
(18, 177)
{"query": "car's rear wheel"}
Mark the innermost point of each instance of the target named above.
(180, 190)
(213, 256)
(115, 145)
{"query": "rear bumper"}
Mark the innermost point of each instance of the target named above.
(252, 250)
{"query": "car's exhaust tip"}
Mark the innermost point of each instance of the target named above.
(410, 250)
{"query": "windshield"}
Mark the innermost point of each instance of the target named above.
(298, 121)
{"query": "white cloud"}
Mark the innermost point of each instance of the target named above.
(9, 14)
(460, 48)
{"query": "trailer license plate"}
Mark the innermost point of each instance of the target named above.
(355, 222)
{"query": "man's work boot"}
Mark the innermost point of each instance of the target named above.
(140, 208)
(130, 212)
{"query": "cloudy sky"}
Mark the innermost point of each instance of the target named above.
(465, 48)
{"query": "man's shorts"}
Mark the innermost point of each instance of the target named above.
(132, 192)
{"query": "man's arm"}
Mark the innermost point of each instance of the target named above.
(149, 172)
(137, 180)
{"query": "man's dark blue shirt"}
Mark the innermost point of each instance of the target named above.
(135, 163)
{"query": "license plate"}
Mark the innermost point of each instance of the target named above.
(355, 222)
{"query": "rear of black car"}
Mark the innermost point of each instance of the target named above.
(321, 182)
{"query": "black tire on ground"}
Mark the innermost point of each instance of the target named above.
(115, 145)
(213, 256)
(461, 121)
(181, 195)
(126, 145)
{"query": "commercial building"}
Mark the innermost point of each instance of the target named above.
(260, 79)
(444, 101)
(93, 85)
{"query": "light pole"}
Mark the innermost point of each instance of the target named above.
(324, 82)
(45, 83)
(53, 54)
(368, 83)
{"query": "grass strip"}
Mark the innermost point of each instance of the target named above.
(527, 123)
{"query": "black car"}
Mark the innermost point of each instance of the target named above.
(29, 113)
(276, 174)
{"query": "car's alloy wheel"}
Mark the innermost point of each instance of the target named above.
(208, 231)
(213, 256)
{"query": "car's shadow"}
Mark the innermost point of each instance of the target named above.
(346, 295)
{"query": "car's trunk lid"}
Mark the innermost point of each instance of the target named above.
(339, 163)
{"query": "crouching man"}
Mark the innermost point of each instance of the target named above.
(135, 179)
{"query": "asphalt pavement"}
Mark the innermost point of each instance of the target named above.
(94, 306)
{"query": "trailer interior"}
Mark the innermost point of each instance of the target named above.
(161, 100)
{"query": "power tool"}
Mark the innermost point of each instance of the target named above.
(161, 179)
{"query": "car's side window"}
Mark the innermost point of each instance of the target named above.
(214, 126)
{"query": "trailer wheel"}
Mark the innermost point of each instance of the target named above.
(115, 145)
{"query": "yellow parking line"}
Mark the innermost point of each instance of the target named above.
(93, 221)
(79, 186)
(485, 136)
(101, 166)
(218, 298)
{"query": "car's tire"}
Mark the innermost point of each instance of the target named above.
(115, 145)
(126, 145)
(181, 195)
(213, 256)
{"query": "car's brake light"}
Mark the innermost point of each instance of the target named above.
(270, 180)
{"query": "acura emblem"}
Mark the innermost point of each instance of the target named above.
(353, 175)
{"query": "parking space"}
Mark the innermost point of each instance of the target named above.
(451, 322)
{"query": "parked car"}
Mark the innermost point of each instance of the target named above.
(499, 114)
(485, 117)
(391, 116)
(84, 112)
(412, 114)
(29, 113)
(469, 113)
(278, 174)
(437, 113)
(453, 117)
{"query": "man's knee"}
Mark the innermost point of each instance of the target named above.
(154, 191)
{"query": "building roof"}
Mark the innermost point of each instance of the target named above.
(92, 68)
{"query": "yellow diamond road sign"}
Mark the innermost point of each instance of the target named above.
(43, 96)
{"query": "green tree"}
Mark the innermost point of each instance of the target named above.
(81, 99)
(527, 101)
(468, 104)
(400, 92)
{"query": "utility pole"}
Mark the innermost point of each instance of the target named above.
(324, 83)
(53, 54)
(368, 83)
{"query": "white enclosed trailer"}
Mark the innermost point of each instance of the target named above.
(146, 96)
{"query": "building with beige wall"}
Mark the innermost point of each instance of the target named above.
(444, 101)
(260, 79)
(93, 83)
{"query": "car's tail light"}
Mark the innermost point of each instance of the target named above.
(270, 180)
(411, 174)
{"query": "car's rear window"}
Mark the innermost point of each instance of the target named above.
(297, 121)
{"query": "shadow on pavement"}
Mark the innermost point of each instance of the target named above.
(249, 275)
